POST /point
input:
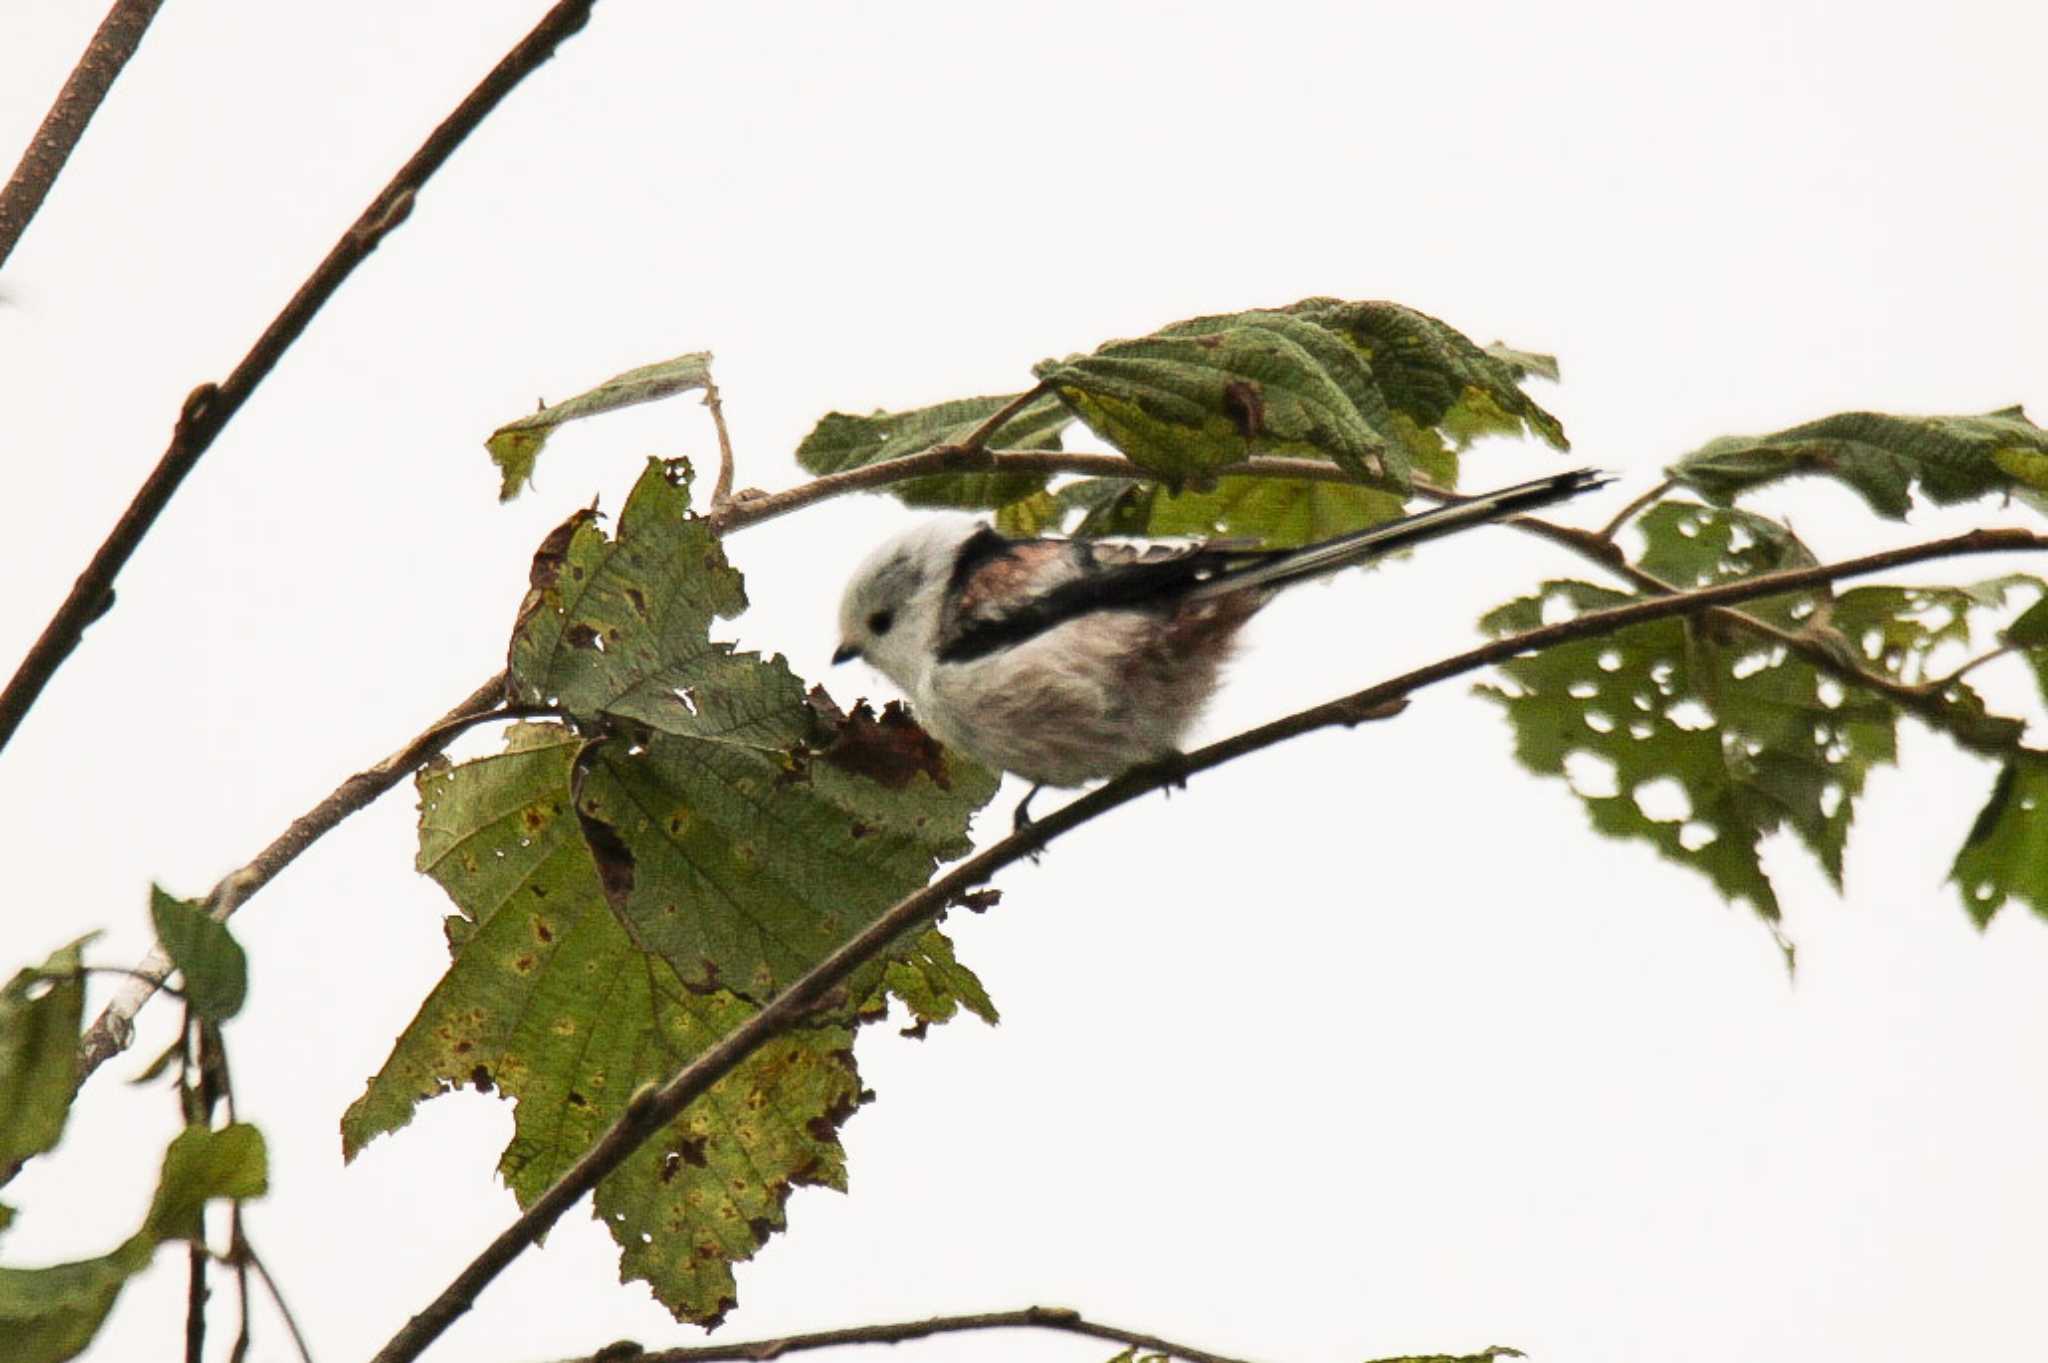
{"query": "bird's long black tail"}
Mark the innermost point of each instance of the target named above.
(1313, 560)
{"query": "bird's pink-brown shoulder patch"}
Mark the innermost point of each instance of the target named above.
(1019, 572)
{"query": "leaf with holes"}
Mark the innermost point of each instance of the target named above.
(1698, 749)
(2006, 853)
(1697, 743)
(840, 442)
(516, 445)
(1882, 458)
(550, 1000)
(1689, 545)
(621, 626)
(50, 1314)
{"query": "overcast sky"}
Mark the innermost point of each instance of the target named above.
(1363, 1046)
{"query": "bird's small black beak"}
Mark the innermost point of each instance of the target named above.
(845, 653)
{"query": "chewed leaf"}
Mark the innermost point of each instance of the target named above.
(1882, 458)
(742, 867)
(2006, 853)
(516, 445)
(1697, 747)
(1689, 545)
(550, 1001)
(622, 626)
(840, 442)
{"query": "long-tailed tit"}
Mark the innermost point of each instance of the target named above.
(1066, 661)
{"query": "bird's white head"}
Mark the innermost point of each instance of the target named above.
(891, 611)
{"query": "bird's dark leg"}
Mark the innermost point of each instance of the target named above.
(1171, 771)
(1021, 820)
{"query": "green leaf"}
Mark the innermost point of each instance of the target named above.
(1211, 392)
(1689, 545)
(203, 1164)
(932, 984)
(50, 1314)
(742, 867)
(621, 627)
(1279, 513)
(1881, 458)
(1700, 738)
(516, 445)
(551, 1002)
(2006, 853)
(2030, 630)
(1697, 743)
(840, 442)
(40, 1013)
(1435, 377)
(215, 969)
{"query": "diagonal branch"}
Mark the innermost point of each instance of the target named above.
(112, 1030)
(653, 1107)
(209, 407)
(1030, 1318)
(119, 34)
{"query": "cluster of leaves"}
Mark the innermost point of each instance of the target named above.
(1702, 736)
(52, 1313)
(1378, 391)
(632, 882)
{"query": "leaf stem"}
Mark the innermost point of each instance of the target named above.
(1029, 1318)
(209, 407)
(115, 41)
(721, 491)
(1627, 513)
(653, 1107)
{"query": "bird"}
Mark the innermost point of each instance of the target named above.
(1066, 661)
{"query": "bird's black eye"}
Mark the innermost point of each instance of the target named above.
(879, 622)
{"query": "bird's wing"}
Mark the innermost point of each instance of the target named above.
(1004, 591)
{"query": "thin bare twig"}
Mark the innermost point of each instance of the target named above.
(1623, 516)
(721, 491)
(246, 1255)
(236, 1246)
(112, 1030)
(119, 34)
(977, 439)
(195, 1302)
(653, 1107)
(209, 407)
(1940, 685)
(1030, 1318)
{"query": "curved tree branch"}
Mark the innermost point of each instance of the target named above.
(114, 1028)
(209, 407)
(1030, 1318)
(119, 34)
(654, 1107)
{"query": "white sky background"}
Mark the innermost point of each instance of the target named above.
(1365, 1045)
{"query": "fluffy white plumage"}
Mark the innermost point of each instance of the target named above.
(1067, 661)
